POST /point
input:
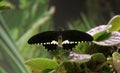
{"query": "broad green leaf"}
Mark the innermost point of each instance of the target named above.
(102, 37)
(99, 57)
(42, 63)
(99, 31)
(114, 39)
(97, 62)
(81, 47)
(81, 58)
(115, 22)
(116, 60)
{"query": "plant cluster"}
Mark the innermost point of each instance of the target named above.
(99, 56)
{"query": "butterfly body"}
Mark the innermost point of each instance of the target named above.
(63, 39)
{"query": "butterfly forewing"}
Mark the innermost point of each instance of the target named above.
(76, 36)
(44, 37)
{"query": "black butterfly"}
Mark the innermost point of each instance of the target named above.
(65, 39)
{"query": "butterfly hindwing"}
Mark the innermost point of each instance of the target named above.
(68, 46)
(50, 47)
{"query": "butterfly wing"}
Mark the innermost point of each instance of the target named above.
(50, 46)
(45, 39)
(75, 36)
(69, 46)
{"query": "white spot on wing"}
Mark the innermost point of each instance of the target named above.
(54, 42)
(65, 42)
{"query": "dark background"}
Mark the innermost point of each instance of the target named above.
(67, 10)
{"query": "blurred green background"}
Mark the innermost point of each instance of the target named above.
(20, 19)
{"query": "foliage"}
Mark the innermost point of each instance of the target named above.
(12, 41)
(81, 63)
(115, 23)
(5, 5)
(116, 59)
(9, 56)
(42, 63)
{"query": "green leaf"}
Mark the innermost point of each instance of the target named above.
(10, 60)
(116, 61)
(98, 57)
(81, 58)
(42, 63)
(99, 31)
(103, 37)
(114, 39)
(115, 22)
(81, 47)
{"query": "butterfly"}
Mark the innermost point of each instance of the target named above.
(64, 39)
